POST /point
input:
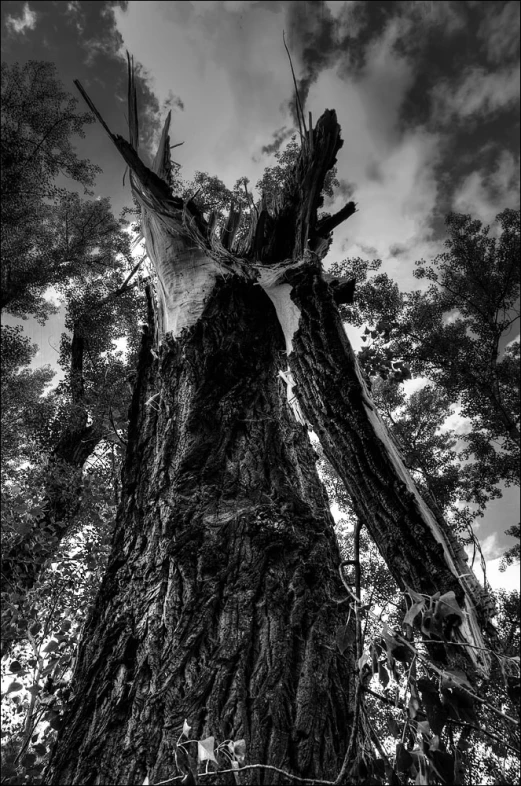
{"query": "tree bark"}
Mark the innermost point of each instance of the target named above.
(222, 596)
(219, 605)
(412, 536)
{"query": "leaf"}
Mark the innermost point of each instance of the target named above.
(205, 749)
(395, 649)
(455, 677)
(383, 675)
(431, 625)
(15, 666)
(414, 706)
(22, 527)
(342, 639)
(444, 764)
(186, 729)
(436, 713)
(393, 727)
(403, 758)
(28, 760)
(56, 723)
(52, 646)
(364, 660)
(35, 628)
(239, 750)
(413, 612)
(448, 609)
(14, 686)
(146, 781)
(35, 689)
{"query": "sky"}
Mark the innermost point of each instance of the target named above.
(426, 93)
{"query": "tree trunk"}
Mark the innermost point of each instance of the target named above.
(219, 605)
(222, 598)
(412, 536)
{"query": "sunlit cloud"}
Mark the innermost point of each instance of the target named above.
(484, 194)
(26, 22)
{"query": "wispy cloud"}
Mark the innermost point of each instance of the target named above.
(22, 23)
(499, 31)
(476, 94)
(484, 194)
(279, 137)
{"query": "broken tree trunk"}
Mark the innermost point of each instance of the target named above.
(222, 595)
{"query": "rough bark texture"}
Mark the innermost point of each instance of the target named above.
(219, 605)
(334, 401)
(219, 602)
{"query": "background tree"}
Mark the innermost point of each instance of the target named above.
(456, 333)
(38, 120)
(54, 238)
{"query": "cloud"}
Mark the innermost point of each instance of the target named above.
(485, 194)
(345, 189)
(397, 249)
(172, 102)
(514, 341)
(279, 137)
(493, 553)
(411, 386)
(499, 31)
(26, 22)
(313, 41)
(456, 422)
(478, 93)
(508, 580)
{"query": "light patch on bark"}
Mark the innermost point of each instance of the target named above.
(288, 312)
(287, 376)
(470, 628)
(186, 275)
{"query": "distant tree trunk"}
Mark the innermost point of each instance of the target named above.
(222, 597)
(23, 562)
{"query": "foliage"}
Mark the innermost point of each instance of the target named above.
(38, 119)
(430, 725)
(453, 334)
(511, 555)
(272, 182)
(23, 409)
(53, 237)
(51, 615)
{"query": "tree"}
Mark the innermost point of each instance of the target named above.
(83, 418)
(457, 333)
(38, 120)
(224, 590)
(22, 409)
(53, 237)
